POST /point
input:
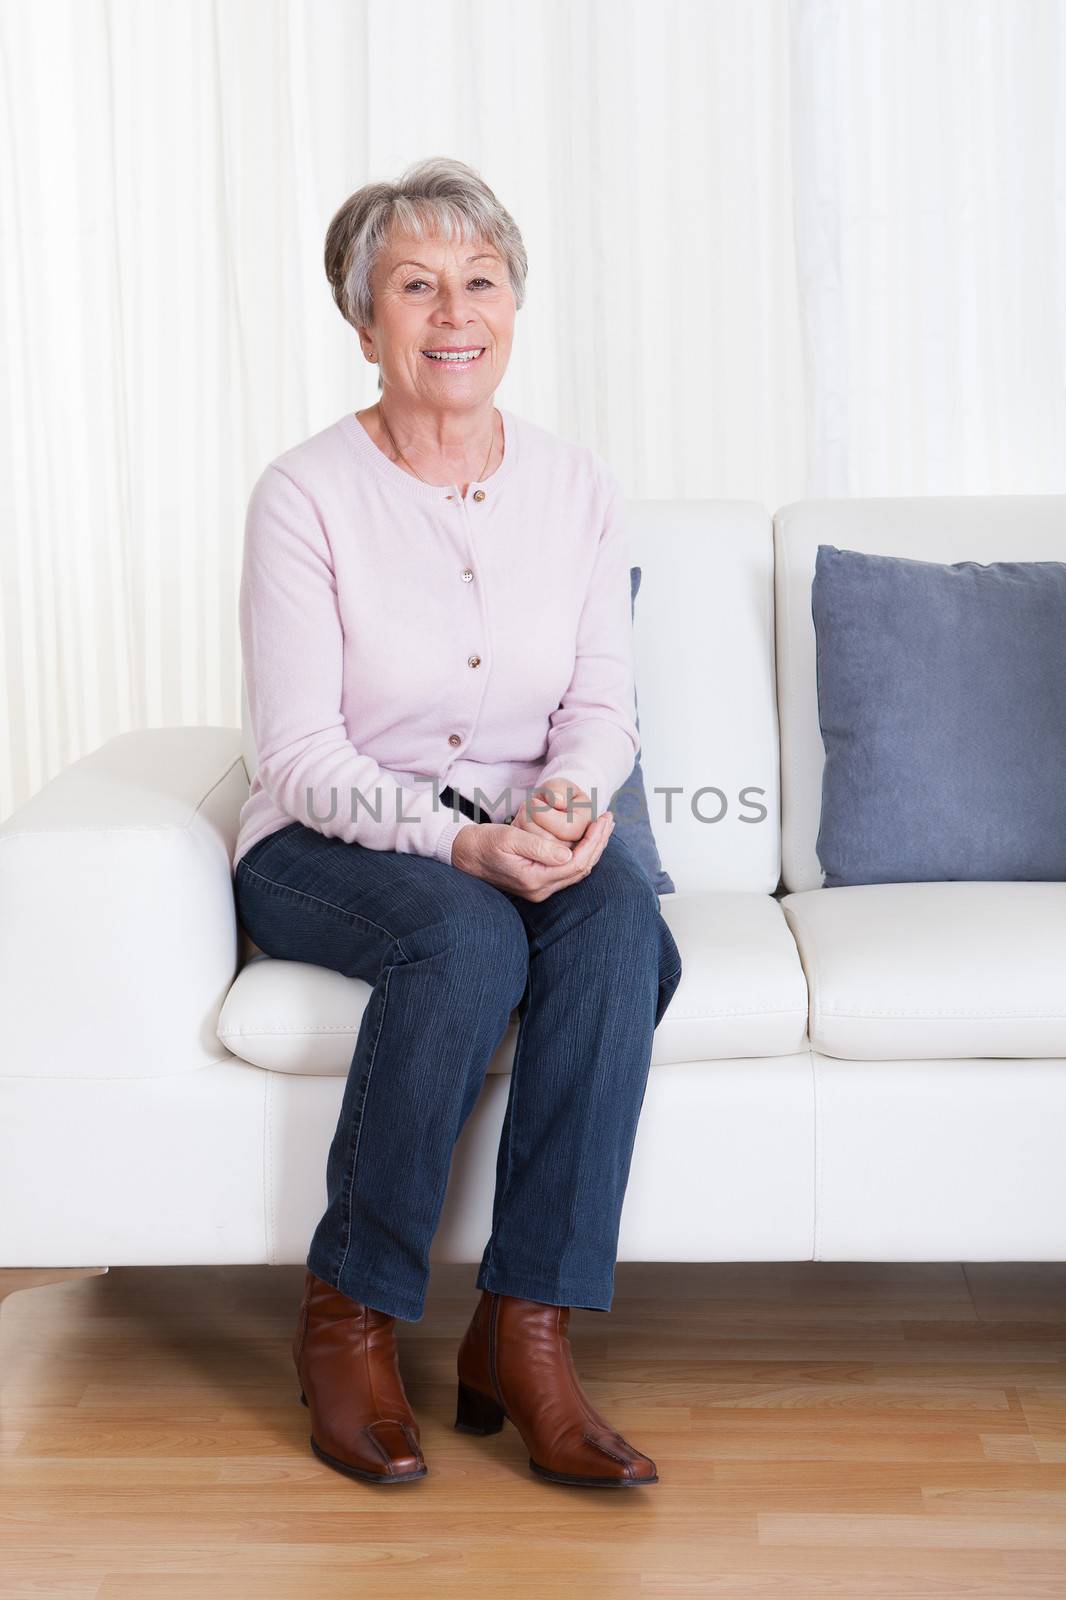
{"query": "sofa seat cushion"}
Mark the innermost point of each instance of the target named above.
(913, 970)
(742, 993)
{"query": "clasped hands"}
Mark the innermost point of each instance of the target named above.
(541, 849)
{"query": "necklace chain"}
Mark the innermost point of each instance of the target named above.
(399, 452)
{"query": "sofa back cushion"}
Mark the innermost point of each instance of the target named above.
(703, 645)
(939, 528)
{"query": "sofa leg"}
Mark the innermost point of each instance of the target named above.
(13, 1278)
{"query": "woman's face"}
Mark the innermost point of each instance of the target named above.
(431, 295)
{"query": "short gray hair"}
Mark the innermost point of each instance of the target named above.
(438, 196)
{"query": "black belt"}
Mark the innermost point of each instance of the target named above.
(452, 798)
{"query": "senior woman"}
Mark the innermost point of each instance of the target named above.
(437, 589)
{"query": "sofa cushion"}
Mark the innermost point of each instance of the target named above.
(703, 638)
(942, 706)
(910, 970)
(1031, 527)
(742, 993)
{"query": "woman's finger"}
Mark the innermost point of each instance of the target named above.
(586, 854)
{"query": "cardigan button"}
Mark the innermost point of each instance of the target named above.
(473, 661)
(455, 738)
(479, 494)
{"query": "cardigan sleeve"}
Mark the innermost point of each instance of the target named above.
(292, 643)
(593, 736)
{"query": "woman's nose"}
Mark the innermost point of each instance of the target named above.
(454, 304)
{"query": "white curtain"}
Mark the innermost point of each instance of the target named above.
(929, 182)
(775, 251)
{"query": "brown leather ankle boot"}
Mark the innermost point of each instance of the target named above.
(346, 1358)
(515, 1361)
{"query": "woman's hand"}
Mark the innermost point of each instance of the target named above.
(546, 811)
(529, 860)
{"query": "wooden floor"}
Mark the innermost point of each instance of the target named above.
(820, 1429)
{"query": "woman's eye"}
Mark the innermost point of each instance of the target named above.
(416, 281)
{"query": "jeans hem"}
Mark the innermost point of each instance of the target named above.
(496, 1282)
(378, 1296)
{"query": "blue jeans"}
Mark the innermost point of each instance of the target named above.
(591, 970)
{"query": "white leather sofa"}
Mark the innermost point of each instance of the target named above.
(865, 1073)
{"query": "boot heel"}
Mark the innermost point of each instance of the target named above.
(477, 1412)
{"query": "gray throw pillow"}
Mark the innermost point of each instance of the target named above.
(630, 803)
(942, 704)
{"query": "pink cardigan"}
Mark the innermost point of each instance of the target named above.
(398, 638)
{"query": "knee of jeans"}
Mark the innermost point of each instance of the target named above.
(669, 954)
(632, 898)
(488, 938)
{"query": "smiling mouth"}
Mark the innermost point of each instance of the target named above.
(455, 358)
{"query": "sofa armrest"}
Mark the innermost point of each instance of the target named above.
(118, 927)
